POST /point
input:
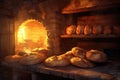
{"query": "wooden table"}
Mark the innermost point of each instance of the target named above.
(110, 71)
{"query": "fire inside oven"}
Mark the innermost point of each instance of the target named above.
(31, 35)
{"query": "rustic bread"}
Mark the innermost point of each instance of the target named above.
(70, 29)
(87, 30)
(22, 53)
(56, 61)
(51, 61)
(33, 59)
(96, 56)
(13, 58)
(68, 55)
(80, 29)
(78, 52)
(97, 29)
(41, 51)
(80, 62)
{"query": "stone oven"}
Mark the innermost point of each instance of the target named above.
(32, 15)
(58, 26)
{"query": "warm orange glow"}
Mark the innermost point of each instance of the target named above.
(28, 51)
(21, 34)
(31, 34)
(15, 56)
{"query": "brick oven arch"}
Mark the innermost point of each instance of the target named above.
(31, 34)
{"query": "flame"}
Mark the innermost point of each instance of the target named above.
(28, 51)
(31, 34)
(21, 34)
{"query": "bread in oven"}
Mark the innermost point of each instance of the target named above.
(41, 51)
(13, 58)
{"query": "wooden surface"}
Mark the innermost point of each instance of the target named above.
(104, 72)
(89, 36)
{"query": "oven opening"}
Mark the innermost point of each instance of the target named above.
(30, 35)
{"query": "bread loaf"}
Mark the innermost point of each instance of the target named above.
(80, 62)
(88, 30)
(68, 55)
(54, 61)
(13, 58)
(22, 53)
(80, 29)
(33, 59)
(78, 52)
(70, 30)
(96, 56)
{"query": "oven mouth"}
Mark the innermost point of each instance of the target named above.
(31, 34)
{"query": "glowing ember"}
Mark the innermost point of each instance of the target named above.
(15, 56)
(28, 51)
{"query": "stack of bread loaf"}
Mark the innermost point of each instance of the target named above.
(77, 57)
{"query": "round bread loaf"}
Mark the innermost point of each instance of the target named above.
(13, 58)
(96, 56)
(78, 52)
(40, 51)
(68, 55)
(33, 59)
(51, 61)
(80, 29)
(21, 53)
(70, 29)
(80, 62)
(56, 61)
(87, 30)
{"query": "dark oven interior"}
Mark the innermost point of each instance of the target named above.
(53, 24)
